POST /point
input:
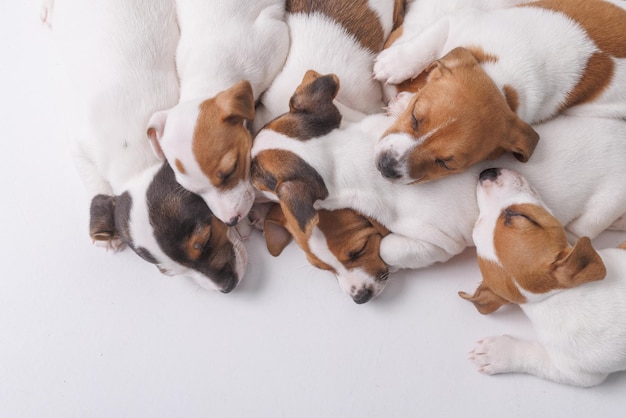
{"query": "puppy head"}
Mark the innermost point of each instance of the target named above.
(277, 170)
(457, 118)
(522, 248)
(343, 242)
(172, 228)
(208, 146)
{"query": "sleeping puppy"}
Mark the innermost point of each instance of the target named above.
(229, 53)
(574, 296)
(329, 37)
(343, 242)
(122, 73)
(487, 75)
(306, 170)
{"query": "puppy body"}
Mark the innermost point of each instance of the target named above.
(330, 38)
(575, 297)
(229, 53)
(500, 70)
(433, 221)
(122, 72)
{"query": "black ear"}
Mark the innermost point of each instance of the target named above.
(102, 218)
(297, 199)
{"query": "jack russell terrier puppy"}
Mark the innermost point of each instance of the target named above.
(575, 297)
(487, 75)
(306, 171)
(331, 37)
(122, 74)
(343, 242)
(228, 54)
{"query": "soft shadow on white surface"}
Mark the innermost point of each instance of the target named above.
(94, 334)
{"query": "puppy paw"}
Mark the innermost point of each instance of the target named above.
(398, 104)
(393, 66)
(493, 355)
(244, 229)
(114, 244)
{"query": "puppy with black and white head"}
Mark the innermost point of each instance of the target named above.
(122, 73)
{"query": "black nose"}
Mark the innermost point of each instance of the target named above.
(363, 296)
(489, 174)
(229, 285)
(233, 221)
(388, 166)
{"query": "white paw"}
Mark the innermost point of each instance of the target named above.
(398, 104)
(115, 244)
(391, 67)
(493, 355)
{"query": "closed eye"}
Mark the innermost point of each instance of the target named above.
(414, 122)
(225, 175)
(443, 162)
(509, 214)
(353, 255)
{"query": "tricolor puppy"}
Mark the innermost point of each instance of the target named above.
(229, 53)
(574, 296)
(122, 73)
(489, 74)
(306, 169)
(332, 37)
(343, 242)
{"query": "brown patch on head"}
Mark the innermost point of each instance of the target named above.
(296, 184)
(221, 142)
(357, 19)
(351, 237)
(460, 118)
(311, 109)
(532, 247)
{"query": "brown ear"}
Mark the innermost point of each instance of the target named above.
(581, 264)
(484, 299)
(155, 129)
(236, 103)
(102, 218)
(297, 199)
(277, 237)
(314, 92)
(522, 139)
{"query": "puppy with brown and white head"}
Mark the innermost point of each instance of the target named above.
(343, 242)
(574, 296)
(229, 53)
(488, 74)
(308, 162)
(332, 37)
(121, 74)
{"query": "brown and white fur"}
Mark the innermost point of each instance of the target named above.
(486, 75)
(229, 53)
(330, 37)
(574, 296)
(121, 73)
(343, 242)
(306, 162)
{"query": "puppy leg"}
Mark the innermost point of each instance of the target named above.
(505, 354)
(398, 252)
(597, 219)
(406, 59)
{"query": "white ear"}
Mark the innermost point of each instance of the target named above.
(156, 126)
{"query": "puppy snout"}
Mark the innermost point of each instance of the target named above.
(489, 174)
(388, 166)
(363, 295)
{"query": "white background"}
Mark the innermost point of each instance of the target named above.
(87, 333)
